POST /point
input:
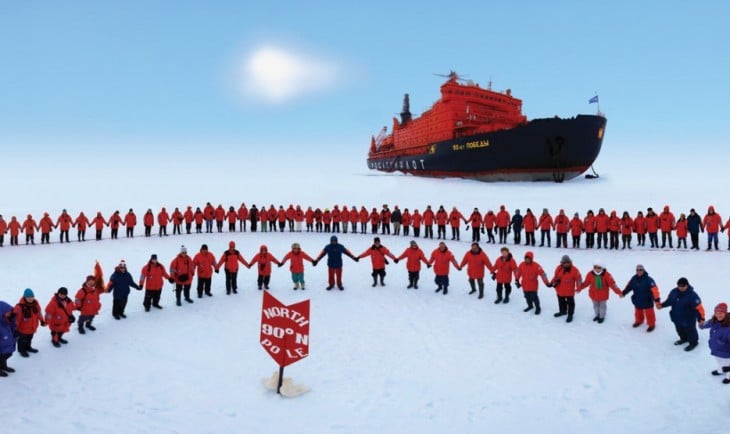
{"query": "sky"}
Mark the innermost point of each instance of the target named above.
(101, 76)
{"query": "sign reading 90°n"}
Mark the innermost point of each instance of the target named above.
(284, 330)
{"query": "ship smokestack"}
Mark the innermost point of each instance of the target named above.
(405, 115)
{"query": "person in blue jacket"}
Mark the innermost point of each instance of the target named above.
(694, 226)
(719, 326)
(517, 227)
(645, 296)
(334, 252)
(686, 312)
(119, 283)
(8, 337)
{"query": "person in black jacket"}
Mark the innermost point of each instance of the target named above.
(517, 227)
(119, 283)
(686, 312)
(253, 217)
(694, 226)
(396, 218)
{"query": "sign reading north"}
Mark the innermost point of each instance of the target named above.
(285, 330)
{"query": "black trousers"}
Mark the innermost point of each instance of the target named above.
(204, 286)
(544, 234)
(115, 234)
(566, 305)
(231, 281)
(45, 238)
(455, 233)
(530, 238)
(507, 287)
(695, 238)
(590, 239)
(562, 240)
(118, 305)
(441, 231)
(532, 299)
(416, 231)
(428, 231)
(413, 277)
(502, 235)
(380, 272)
(151, 297)
(517, 235)
(475, 234)
(64, 234)
(263, 281)
(130, 232)
(182, 289)
(147, 231)
(687, 333)
(666, 236)
(603, 239)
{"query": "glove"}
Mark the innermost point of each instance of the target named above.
(386, 261)
(518, 285)
(43, 323)
(395, 261)
(71, 319)
(556, 283)
(482, 230)
(314, 263)
(171, 280)
(280, 265)
(217, 271)
(428, 265)
(183, 277)
(494, 276)
(357, 259)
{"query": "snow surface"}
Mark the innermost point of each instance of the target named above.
(385, 360)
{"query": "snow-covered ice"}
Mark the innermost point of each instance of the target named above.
(383, 359)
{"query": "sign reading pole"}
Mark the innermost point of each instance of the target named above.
(284, 332)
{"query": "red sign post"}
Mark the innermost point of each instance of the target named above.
(284, 332)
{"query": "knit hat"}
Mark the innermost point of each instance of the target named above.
(722, 307)
(28, 293)
(154, 256)
(598, 264)
(183, 249)
(232, 244)
(565, 259)
(376, 239)
(413, 243)
(204, 247)
(62, 290)
(295, 246)
(682, 281)
(529, 254)
(333, 239)
(122, 264)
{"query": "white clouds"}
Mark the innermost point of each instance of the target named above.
(275, 75)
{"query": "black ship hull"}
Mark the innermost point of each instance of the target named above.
(551, 149)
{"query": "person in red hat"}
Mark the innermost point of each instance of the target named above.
(229, 260)
(719, 342)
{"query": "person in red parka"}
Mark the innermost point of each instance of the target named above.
(666, 224)
(163, 218)
(99, 222)
(204, 263)
(455, 219)
(29, 227)
(627, 227)
(442, 217)
(416, 221)
(220, 216)
(614, 228)
(576, 229)
(114, 222)
(640, 228)
(428, 219)
(309, 219)
(377, 253)
(198, 218)
(148, 219)
(189, 218)
(28, 315)
(589, 226)
(271, 214)
(545, 223)
(405, 220)
(3, 230)
(130, 221)
(177, 218)
(598, 282)
(414, 256)
(64, 223)
(504, 269)
(561, 224)
(281, 217)
(151, 279)
(229, 260)
(208, 216)
(566, 281)
(529, 224)
(291, 214)
(475, 221)
(45, 225)
(476, 262)
(652, 227)
(14, 229)
(59, 316)
(385, 215)
(502, 220)
(354, 219)
(81, 223)
(262, 260)
(527, 274)
(712, 224)
(440, 258)
(374, 221)
(232, 217)
(87, 301)
(299, 218)
(242, 217)
(297, 256)
(681, 229)
(182, 270)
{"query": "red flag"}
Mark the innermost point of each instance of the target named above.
(99, 277)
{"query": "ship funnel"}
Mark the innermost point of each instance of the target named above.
(405, 115)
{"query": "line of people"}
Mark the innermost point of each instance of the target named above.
(600, 230)
(686, 307)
